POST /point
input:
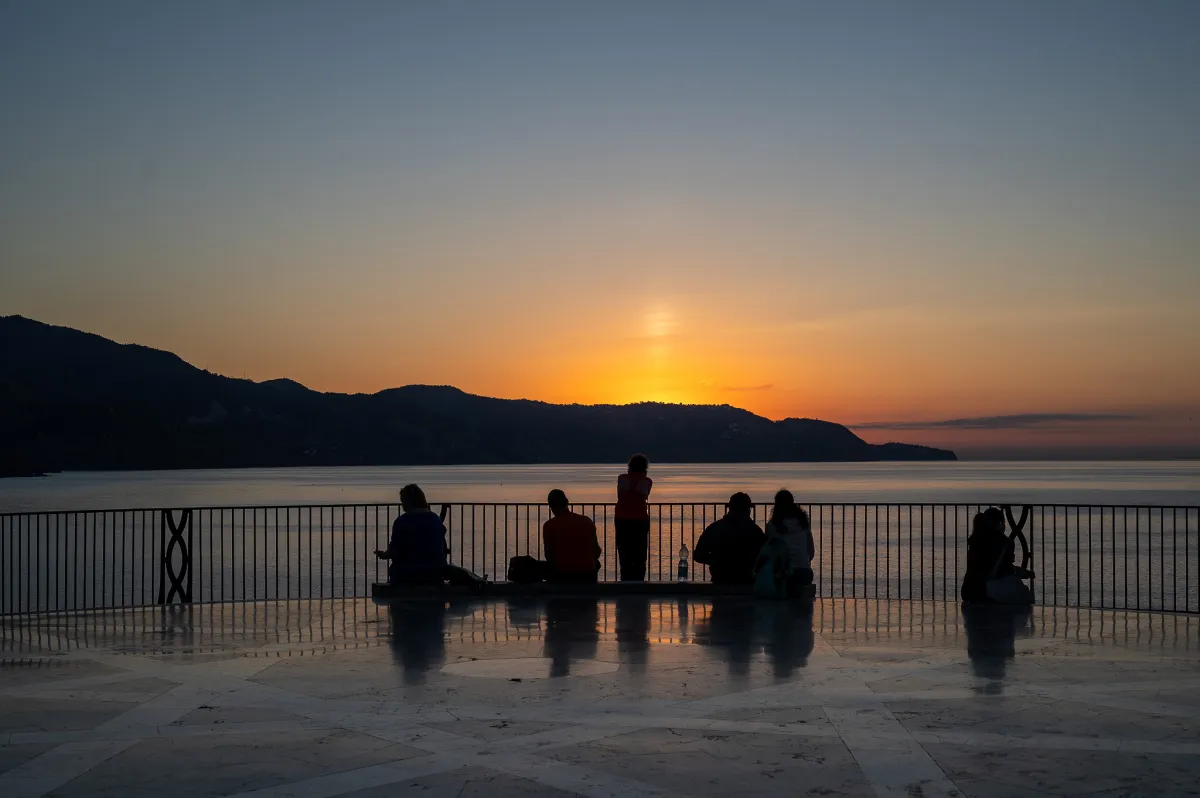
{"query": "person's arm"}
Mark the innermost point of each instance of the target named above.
(596, 543)
(392, 551)
(548, 543)
(812, 547)
(643, 487)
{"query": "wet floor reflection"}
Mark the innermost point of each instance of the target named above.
(418, 634)
(992, 632)
(738, 631)
(632, 628)
(572, 632)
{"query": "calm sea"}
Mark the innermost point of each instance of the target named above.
(1158, 483)
(1085, 555)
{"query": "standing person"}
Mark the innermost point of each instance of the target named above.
(569, 540)
(730, 545)
(416, 553)
(790, 524)
(633, 519)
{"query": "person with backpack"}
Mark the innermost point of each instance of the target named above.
(632, 519)
(784, 566)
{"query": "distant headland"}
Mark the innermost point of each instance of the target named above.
(71, 400)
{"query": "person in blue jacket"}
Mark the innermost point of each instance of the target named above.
(416, 553)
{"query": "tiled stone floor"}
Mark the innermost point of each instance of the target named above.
(600, 697)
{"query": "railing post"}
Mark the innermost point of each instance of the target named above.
(181, 579)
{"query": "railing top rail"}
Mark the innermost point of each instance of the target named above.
(691, 503)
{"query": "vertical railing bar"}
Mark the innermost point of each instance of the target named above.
(957, 538)
(1174, 561)
(944, 558)
(1137, 555)
(887, 551)
(1054, 548)
(921, 550)
(610, 553)
(910, 552)
(1039, 566)
(875, 565)
(1162, 558)
(1090, 549)
(86, 562)
(1079, 556)
(658, 509)
(1124, 557)
(275, 592)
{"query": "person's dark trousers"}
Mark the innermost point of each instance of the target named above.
(633, 539)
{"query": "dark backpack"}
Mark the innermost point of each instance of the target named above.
(524, 569)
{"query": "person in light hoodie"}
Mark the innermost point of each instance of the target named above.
(789, 524)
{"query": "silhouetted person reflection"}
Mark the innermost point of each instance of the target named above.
(418, 637)
(991, 639)
(790, 636)
(633, 628)
(571, 632)
(730, 629)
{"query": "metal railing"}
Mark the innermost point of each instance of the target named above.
(1111, 557)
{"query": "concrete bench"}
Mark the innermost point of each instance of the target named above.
(383, 590)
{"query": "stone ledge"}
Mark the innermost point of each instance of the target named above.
(383, 590)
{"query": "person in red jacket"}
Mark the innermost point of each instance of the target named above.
(633, 519)
(569, 540)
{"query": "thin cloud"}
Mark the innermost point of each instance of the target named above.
(1017, 421)
(747, 388)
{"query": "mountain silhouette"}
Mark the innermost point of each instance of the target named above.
(71, 400)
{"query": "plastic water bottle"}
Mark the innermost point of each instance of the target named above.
(682, 574)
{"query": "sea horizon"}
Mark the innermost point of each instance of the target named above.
(1087, 482)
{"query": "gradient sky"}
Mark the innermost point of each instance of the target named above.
(970, 224)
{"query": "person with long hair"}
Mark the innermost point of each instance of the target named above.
(633, 519)
(789, 524)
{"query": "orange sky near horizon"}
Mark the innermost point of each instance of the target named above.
(859, 214)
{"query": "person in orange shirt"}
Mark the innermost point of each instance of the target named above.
(633, 519)
(569, 540)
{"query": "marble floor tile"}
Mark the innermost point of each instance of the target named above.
(230, 763)
(468, 782)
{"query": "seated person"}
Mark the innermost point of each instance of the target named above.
(789, 527)
(991, 554)
(729, 545)
(416, 554)
(569, 540)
